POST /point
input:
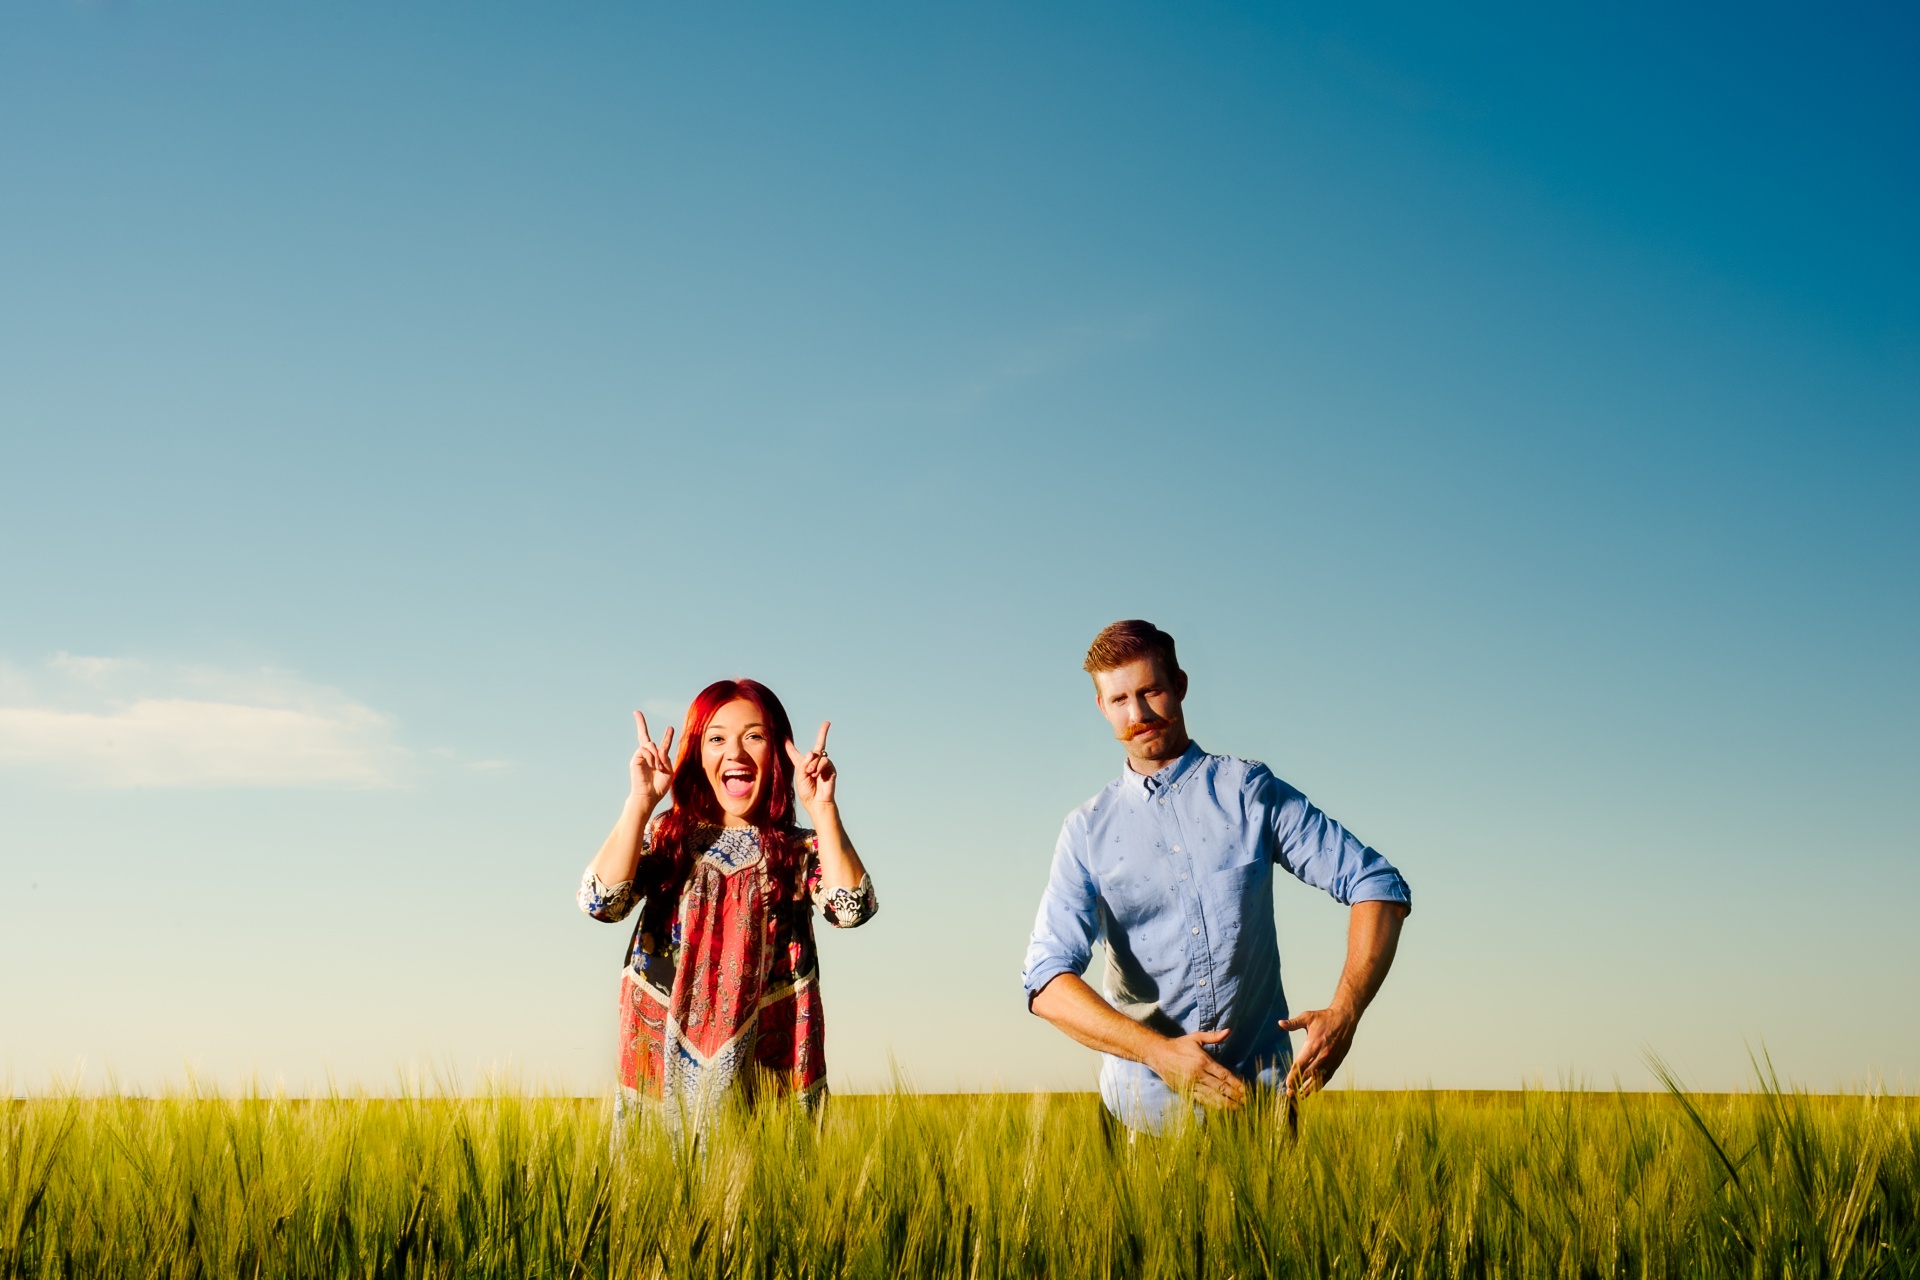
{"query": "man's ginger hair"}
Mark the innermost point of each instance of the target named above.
(1130, 640)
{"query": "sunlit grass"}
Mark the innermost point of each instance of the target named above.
(1773, 1183)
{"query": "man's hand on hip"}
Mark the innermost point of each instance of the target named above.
(1184, 1063)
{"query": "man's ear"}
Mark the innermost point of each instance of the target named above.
(1180, 684)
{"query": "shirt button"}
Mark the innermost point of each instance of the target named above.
(1183, 875)
(1176, 848)
(1203, 982)
(1196, 928)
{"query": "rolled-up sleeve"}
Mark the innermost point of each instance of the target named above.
(1321, 852)
(1067, 924)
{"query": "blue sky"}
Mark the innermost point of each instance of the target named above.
(1513, 415)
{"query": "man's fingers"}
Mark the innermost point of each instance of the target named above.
(1310, 1071)
(1218, 1098)
(1302, 1080)
(1226, 1080)
(1213, 1037)
(1230, 1089)
(1299, 1074)
(820, 743)
(1299, 1023)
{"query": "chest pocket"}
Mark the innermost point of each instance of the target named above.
(1240, 862)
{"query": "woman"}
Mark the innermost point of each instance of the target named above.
(721, 986)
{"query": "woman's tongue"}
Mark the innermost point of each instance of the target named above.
(738, 785)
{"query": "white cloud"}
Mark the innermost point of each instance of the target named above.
(116, 723)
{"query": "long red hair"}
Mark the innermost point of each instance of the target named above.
(694, 804)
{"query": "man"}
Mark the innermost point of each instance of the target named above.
(1171, 866)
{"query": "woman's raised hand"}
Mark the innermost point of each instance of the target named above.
(652, 767)
(814, 774)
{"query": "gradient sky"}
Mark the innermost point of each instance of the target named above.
(1513, 416)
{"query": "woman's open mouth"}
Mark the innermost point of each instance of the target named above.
(737, 782)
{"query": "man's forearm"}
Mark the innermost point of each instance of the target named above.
(1373, 934)
(1185, 1063)
(1084, 1014)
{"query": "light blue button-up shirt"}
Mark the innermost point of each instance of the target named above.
(1174, 873)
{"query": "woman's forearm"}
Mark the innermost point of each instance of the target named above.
(840, 866)
(619, 854)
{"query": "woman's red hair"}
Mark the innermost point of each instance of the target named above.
(695, 805)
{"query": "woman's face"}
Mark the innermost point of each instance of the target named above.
(737, 753)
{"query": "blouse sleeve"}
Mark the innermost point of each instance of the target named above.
(843, 908)
(611, 902)
(603, 901)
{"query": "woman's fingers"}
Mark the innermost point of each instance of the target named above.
(813, 768)
(806, 769)
(654, 757)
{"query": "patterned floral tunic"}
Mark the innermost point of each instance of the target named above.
(722, 981)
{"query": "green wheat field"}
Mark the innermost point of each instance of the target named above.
(1550, 1183)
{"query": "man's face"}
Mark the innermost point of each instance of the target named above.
(1142, 703)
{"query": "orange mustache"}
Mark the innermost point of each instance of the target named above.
(1133, 731)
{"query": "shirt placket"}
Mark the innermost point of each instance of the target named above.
(1173, 831)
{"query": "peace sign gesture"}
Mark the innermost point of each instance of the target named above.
(813, 776)
(652, 767)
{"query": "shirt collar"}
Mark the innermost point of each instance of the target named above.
(1167, 775)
